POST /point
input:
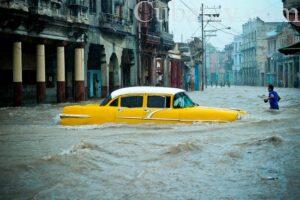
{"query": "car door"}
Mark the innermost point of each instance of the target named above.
(159, 110)
(187, 113)
(131, 109)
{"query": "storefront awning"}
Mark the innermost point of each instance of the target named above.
(291, 50)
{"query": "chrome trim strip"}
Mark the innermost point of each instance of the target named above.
(163, 119)
(130, 118)
(149, 116)
(202, 121)
(66, 116)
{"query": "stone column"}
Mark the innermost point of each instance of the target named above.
(61, 84)
(166, 72)
(298, 74)
(104, 82)
(120, 78)
(40, 73)
(284, 75)
(17, 74)
(108, 79)
(119, 83)
(289, 77)
(277, 75)
(153, 71)
(85, 67)
(79, 74)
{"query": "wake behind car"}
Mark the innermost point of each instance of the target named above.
(136, 105)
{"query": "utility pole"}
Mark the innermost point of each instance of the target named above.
(202, 20)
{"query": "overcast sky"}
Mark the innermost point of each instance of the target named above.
(184, 23)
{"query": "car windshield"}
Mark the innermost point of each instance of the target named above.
(181, 100)
(105, 101)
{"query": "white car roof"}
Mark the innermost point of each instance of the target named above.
(146, 90)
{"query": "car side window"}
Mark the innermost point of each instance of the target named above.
(132, 102)
(159, 102)
(114, 103)
(181, 100)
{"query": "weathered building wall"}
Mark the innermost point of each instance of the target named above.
(254, 50)
(66, 49)
(237, 60)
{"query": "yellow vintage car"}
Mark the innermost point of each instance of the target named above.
(136, 105)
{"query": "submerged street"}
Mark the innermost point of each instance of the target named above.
(254, 158)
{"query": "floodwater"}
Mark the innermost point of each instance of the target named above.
(255, 158)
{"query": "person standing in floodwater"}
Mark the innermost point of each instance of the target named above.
(273, 98)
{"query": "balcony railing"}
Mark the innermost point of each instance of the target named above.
(78, 3)
(184, 48)
(115, 24)
(167, 38)
(151, 38)
(248, 45)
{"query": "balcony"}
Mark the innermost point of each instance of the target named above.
(184, 48)
(56, 3)
(78, 4)
(151, 38)
(248, 45)
(115, 24)
(167, 39)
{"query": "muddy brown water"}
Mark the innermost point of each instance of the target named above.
(254, 158)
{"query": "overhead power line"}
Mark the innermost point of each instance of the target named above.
(222, 30)
(185, 4)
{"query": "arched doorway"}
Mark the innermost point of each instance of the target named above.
(114, 69)
(94, 71)
(126, 63)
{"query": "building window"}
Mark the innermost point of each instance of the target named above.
(106, 6)
(131, 15)
(74, 12)
(93, 6)
(119, 10)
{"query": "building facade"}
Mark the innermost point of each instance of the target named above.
(155, 42)
(209, 50)
(197, 58)
(254, 51)
(187, 66)
(65, 50)
(72, 50)
(217, 68)
(282, 70)
(228, 66)
(237, 60)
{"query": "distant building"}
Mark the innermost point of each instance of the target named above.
(187, 66)
(197, 57)
(229, 62)
(217, 71)
(209, 50)
(282, 70)
(254, 51)
(237, 60)
(213, 68)
(221, 71)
